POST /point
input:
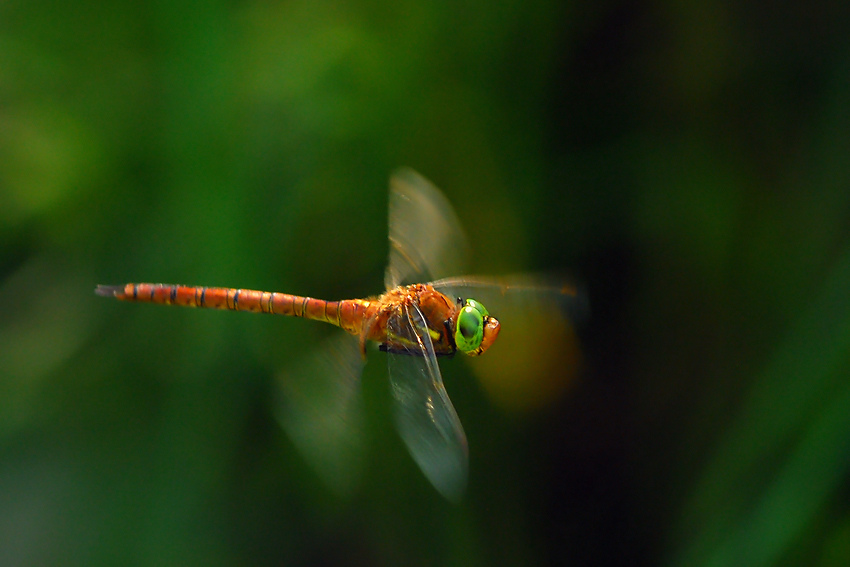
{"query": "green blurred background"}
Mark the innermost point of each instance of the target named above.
(689, 163)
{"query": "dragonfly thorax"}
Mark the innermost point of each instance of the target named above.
(451, 326)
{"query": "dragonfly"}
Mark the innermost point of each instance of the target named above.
(413, 323)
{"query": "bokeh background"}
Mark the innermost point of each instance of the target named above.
(688, 163)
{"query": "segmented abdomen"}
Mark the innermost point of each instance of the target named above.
(347, 314)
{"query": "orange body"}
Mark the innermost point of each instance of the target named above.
(366, 318)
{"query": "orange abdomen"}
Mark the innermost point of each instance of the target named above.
(347, 314)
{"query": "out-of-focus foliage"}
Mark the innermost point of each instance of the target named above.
(688, 164)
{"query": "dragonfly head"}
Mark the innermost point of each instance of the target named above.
(475, 329)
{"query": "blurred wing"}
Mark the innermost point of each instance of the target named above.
(426, 240)
(520, 294)
(537, 355)
(424, 415)
(320, 408)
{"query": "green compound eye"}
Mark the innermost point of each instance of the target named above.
(470, 326)
(478, 307)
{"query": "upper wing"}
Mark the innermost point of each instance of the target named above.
(538, 353)
(426, 240)
(424, 415)
(520, 295)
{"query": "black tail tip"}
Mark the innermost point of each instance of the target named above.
(109, 290)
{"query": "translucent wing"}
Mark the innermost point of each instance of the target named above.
(519, 295)
(426, 240)
(543, 285)
(537, 354)
(320, 408)
(424, 415)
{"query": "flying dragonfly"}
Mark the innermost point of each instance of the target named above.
(413, 323)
